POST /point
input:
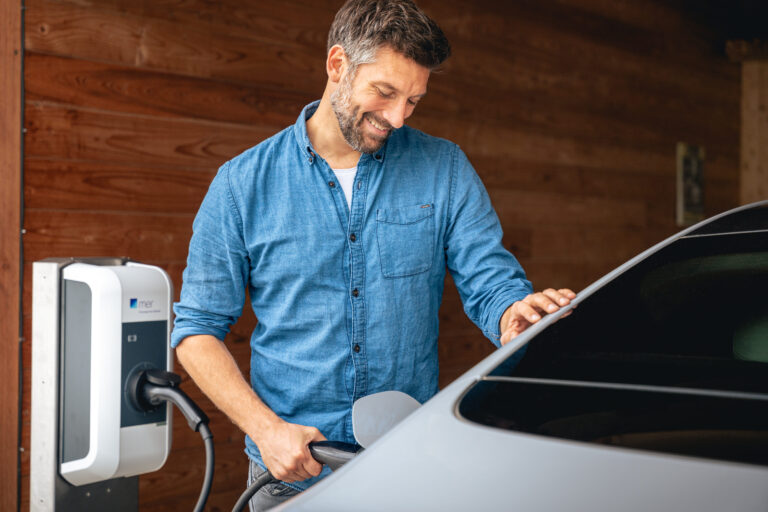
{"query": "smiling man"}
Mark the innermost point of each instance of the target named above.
(341, 228)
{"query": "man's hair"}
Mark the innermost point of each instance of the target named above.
(361, 27)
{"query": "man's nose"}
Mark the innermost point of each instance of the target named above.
(396, 114)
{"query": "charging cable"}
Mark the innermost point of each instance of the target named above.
(150, 389)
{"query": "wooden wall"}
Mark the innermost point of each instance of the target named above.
(10, 247)
(753, 57)
(570, 111)
(754, 130)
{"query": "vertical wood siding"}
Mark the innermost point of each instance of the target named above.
(569, 110)
(754, 130)
(10, 247)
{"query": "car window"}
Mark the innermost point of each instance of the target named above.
(751, 219)
(683, 331)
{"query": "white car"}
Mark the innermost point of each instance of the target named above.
(653, 395)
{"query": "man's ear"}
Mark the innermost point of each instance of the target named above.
(336, 63)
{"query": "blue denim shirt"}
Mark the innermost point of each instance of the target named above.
(347, 299)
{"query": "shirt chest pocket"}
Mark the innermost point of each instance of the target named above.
(406, 239)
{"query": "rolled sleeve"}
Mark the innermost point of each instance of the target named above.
(488, 277)
(215, 279)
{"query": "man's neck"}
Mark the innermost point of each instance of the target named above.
(324, 133)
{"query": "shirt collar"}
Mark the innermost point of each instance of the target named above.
(305, 146)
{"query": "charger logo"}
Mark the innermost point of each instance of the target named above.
(142, 304)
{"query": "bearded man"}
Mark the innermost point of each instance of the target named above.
(341, 228)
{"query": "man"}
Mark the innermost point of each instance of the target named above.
(341, 228)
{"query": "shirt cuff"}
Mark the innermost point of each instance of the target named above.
(191, 329)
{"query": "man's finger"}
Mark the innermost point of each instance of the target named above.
(526, 312)
(295, 473)
(311, 466)
(543, 302)
(556, 296)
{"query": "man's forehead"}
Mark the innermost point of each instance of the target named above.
(395, 71)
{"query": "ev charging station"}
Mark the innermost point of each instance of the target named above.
(98, 325)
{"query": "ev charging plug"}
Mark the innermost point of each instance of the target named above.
(333, 453)
(148, 389)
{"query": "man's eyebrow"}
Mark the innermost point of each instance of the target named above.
(387, 85)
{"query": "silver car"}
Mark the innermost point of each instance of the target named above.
(653, 395)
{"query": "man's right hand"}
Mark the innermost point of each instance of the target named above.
(285, 450)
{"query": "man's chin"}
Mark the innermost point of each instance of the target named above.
(372, 144)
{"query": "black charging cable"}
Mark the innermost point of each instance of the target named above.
(148, 389)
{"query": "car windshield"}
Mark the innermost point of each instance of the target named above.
(672, 355)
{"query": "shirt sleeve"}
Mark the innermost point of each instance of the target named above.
(488, 277)
(215, 279)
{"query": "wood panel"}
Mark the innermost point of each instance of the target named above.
(100, 33)
(141, 91)
(569, 111)
(84, 134)
(10, 248)
(754, 131)
(144, 237)
(56, 184)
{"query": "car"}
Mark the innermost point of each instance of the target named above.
(652, 395)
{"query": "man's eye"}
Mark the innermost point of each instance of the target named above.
(385, 95)
(412, 103)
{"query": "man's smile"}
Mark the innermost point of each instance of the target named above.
(381, 128)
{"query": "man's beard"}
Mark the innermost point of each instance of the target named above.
(351, 127)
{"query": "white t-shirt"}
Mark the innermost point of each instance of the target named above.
(346, 179)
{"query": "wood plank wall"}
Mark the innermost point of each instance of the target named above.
(10, 247)
(754, 130)
(570, 111)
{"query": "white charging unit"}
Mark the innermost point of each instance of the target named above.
(95, 325)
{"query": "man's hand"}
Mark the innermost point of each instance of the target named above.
(524, 313)
(285, 450)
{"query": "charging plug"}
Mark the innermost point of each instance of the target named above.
(148, 389)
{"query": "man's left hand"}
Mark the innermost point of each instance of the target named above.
(524, 313)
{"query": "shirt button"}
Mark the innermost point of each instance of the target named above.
(355, 293)
(352, 237)
(356, 348)
(331, 184)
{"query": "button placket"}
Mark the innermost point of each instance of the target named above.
(357, 278)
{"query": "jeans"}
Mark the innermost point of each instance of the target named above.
(271, 495)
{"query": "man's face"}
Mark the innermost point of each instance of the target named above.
(377, 98)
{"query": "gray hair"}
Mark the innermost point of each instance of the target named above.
(361, 27)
